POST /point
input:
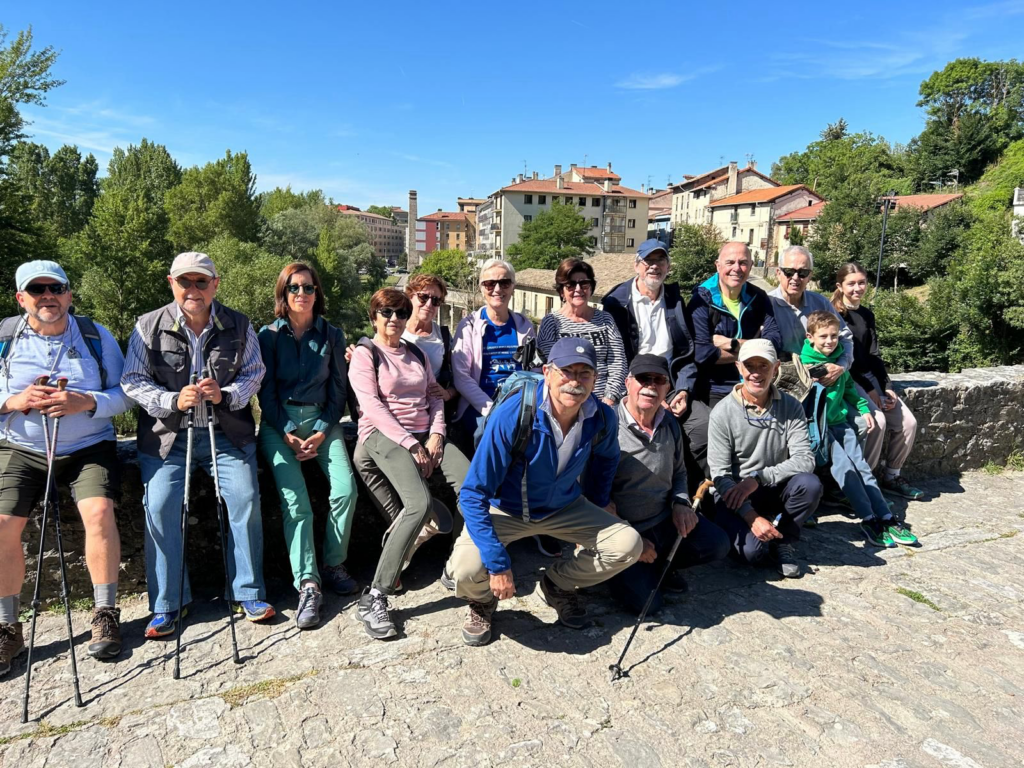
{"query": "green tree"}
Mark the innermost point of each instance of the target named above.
(968, 146)
(994, 190)
(452, 265)
(694, 250)
(277, 200)
(24, 79)
(912, 335)
(217, 199)
(554, 235)
(248, 275)
(835, 131)
(994, 89)
(796, 235)
(382, 210)
(62, 187)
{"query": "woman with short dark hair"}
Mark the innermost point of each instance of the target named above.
(302, 398)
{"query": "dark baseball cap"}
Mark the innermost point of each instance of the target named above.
(649, 364)
(647, 247)
(569, 351)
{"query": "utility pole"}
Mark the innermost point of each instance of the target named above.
(955, 173)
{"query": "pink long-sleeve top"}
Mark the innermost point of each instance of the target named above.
(393, 399)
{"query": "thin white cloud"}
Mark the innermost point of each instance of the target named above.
(424, 160)
(638, 82)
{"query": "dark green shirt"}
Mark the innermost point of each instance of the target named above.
(310, 370)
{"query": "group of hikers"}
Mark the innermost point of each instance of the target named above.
(589, 434)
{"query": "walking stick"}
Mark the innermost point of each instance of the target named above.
(616, 668)
(223, 528)
(191, 423)
(50, 498)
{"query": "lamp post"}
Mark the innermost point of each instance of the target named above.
(887, 203)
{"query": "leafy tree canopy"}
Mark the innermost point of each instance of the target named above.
(694, 250)
(452, 265)
(382, 210)
(554, 235)
(277, 200)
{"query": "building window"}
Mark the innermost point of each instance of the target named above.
(528, 199)
(632, 203)
(734, 233)
(527, 218)
(631, 223)
(750, 238)
(593, 241)
(595, 223)
(554, 200)
(753, 209)
(629, 242)
(583, 202)
(542, 199)
(595, 202)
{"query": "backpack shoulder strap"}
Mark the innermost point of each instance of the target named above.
(365, 343)
(416, 352)
(9, 326)
(521, 438)
(93, 340)
(446, 339)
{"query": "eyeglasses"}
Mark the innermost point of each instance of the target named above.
(308, 289)
(426, 298)
(387, 312)
(505, 282)
(651, 379)
(583, 285)
(803, 274)
(586, 374)
(38, 289)
(185, 283)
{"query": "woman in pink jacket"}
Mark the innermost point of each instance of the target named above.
(402, 431)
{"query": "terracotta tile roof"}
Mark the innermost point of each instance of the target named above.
(760, 195)
(445, 216)
(588, 188)
(924, 202)
(593, 172)
(807, 213)
(610, 269)
(700, 178)
(725, 177)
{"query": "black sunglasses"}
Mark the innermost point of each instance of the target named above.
(426, 298)
(38, 289)
(387, 312)
(505, 282)
(651, 379)
(803, 274)
(294, 288)
(572, 285)
(202, 284)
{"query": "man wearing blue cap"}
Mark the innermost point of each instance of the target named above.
(558, 483)
(49, 341)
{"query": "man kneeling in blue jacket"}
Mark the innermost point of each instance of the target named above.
(574, 438)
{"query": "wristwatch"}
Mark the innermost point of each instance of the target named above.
(756, 476)
(734, 346)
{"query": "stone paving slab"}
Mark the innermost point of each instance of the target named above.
(889, 659)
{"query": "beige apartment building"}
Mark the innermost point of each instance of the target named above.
(387, 238)
(750, 217)
(692, 197)
(617, 215)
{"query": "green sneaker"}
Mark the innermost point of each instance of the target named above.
(900, 487)
(900, 533)
(877, 533)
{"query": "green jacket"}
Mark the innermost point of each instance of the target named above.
(840, 395)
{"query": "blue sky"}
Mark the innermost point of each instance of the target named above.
(370, 101)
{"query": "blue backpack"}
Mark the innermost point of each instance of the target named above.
(11, 328)
(816, 408)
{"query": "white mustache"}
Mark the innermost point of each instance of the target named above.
(569, 389)
(648, 393)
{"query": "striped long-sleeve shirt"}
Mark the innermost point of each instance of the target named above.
(138, 383)
(602, 332)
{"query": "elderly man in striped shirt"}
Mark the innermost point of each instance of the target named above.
(196, 336)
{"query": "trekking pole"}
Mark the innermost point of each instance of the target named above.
(50, 501)
(616, 668)
(190, 428)
(223, 528)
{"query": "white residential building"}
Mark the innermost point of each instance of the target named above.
(750, 217)
(692, 196)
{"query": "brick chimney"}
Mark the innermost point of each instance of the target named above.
(558, 170)
(411, 244)
(559, 182)
(571, 166)
(753, 164)
(534, 175)
(520, 178)
(732, 187)
(609, 167)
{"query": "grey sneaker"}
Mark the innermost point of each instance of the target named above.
(372, 611)
(567, 604)
(447, 581)
(12, 644)
(785, 556)
(307, 615)
(477, 629)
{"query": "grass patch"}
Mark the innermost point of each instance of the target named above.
(1015, 461)
(917, 597)
(1008, 535)
(516, 682)
(56, 608)
(265, 689)
(991, 468)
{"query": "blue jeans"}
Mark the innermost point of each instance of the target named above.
(164, 482)
(851, 470)
(704, 544)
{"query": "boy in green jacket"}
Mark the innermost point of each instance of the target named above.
(848, 466)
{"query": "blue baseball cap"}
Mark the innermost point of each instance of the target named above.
(569, 351)
(33, 270)
(647, 247)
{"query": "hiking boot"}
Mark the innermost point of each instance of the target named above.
(675, 583)
(549, 546)
(477, 629)
(372, 611)
(338, 580)
(106, 633)
(307, 615)
(900, 487)
(567, 604)
(899, 532)
(785, 560)
(255, 611)
(12, 644)
(447, 581)
(162, 624)
(875, 531)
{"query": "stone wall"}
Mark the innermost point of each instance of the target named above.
(965, 420)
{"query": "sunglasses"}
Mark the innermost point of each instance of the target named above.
(583, 285)
(803, 274)
(38, 289)
(185, 283)
(505, 282)
(387, 312)
(426, 298)
(294, 288)
(651, 379)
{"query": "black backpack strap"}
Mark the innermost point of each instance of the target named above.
(93, 340)
(521, 438)
(9, 328)
(446, 362)
(416, 352)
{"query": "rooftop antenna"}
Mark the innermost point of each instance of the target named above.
(721, 159)
(649, 181)
(585, 160)
(749, 158)
(525, 173)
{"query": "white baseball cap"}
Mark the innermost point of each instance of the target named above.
(758, 348)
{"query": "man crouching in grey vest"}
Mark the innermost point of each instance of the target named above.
(195, 335)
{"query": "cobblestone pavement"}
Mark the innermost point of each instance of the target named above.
(892, 659)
